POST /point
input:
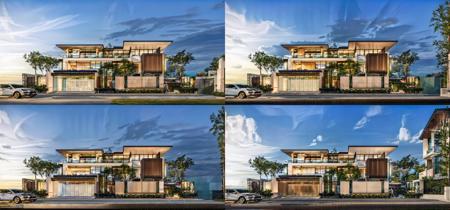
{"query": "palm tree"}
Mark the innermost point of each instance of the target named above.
(178, 62)
(178, 167)
(218, 129)
(406, 59)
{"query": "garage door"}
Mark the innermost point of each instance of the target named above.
(75, 189)
(304, 189)
(78, 85)
(303, 84)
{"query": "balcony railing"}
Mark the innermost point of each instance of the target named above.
(93, 160)
(321, 161)
(323, 56)
(97, 56)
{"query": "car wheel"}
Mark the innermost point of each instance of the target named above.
(17, 200)
(16, 95)
(241, 95)
(241, 200)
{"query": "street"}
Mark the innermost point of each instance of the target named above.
(92, 98)
(117, 204)
(330, 98)
(345, 204)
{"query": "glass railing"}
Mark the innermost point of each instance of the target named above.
(97, 56)
(321, 161)
(96, 161)
(323, 56)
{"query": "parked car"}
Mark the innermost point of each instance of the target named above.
(241, 91)
(241, 196)
(16, 91)
(16, 196)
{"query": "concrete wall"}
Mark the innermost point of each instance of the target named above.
(119, 83)
(219, 79)
(139, 187)
(344, 83)
(139, 82)
(363, 187)
(119, 188)
(364, 82)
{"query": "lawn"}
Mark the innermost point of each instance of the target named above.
(181, 101)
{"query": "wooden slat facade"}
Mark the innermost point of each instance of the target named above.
(152, 168)
(301, 187)
(377, 168)
(152, 63)
(377, 63)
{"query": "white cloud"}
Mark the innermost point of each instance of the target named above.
(316, 140)
(372, 112)
(404, 135)
(242, 144)
(244, 36)
(297, 114)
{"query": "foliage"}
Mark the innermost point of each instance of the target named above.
(406, 59)
(125, 172)
(381, 90)
(40, 62)
(186, 89)
(219, 94)
(40, 167)
(146, 195)
(413, 195)
(442, 137)
(41, 88)
(348, 173)
(178, 62)
(405, 87)
(141, 90)
(107, 68)
(266, 193)
(440, 21)
(265, 167)
(218, 130)
(434, 186)
(263, 61)
(266, 88)
(125, 68)
(214, 65)
(349, 67)
(208, 90)
(371, 195)
(178, 167)
(406, 169)
(40, 193)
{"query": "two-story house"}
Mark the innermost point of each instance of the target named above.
(307, 167)
(430, 143)
(307, 67)
(83, 170)
(81, 64)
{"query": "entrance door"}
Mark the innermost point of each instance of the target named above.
(76, 189)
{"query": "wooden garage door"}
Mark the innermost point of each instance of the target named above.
(304, 188)
(76, 189)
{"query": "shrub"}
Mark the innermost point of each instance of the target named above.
(186, 89)
(105, 90)
(266, 88)
(208, 90)
(188, 195)
(40, 193)
(365, 195)
(413, 195)
(219, 94)
(146, 195)
(41, 88)
(141, 90)
(266, 193)
(434, 186)
(382, 90)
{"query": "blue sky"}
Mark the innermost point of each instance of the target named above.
(264, 25)
(195, 25)
(39, 130)
(264, 130)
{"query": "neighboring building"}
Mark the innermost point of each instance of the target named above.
(430, 143)
(213, 79)
(81, 62)
(306, 66)
(29, 185)
(82, 171)
(219, 78)
(253, 80)
(29, 80)
(307, 168)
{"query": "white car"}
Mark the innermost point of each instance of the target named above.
(241, 196)
(16, 196)
(16, 91)
(241, 91)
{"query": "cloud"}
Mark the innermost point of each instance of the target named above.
(297, 114)
(242, 144)
(372, 112)
(316, 140)
(404, 134)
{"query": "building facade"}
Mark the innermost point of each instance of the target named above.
(83, 170)
(308, 67)
(430, 142)
(81, 63)
(307, 168)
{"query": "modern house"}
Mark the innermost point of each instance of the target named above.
(83, 174)
(307, 168)
(308, 67)
(430, 143)
(81, 64)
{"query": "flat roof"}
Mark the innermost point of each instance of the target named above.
(126, 44)
(141, 149)
(365, 149)
(352, 44)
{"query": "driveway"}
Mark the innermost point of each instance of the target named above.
(345, 204)
(118, 204)
(336, 98)
(92, 98)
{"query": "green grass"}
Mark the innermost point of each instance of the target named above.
(212, 101)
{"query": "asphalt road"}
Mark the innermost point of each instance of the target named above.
(117, 204)
(91, 98)
(343, 99)
(346, 204)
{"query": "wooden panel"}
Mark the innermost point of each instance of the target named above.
(376, 168)
(376, 63)
(152, 63)
(152, 168)
(306, 187)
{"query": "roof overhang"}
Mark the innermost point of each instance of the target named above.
(369, 149)
(289, 152)
(304, 46)
(127, 45)
(373, 45)
(434, 122)
(65, 152)
(80, 46)
(151, 150)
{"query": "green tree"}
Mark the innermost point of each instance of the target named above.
(404, 168)
(440, 21)
(265, 62)
(40, 62)
(107, 172)
(218, 130)
(125, 173)
(442, 137)
(214, 65)
(107, 68)
(275, 168)
(406, 59)
(261, 167)
(35, 166)
(49, 168)
(178, 167)
(178, 62)
(126, 68)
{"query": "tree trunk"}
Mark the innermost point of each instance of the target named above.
(35, 183)
(35, 78)
(260, 77)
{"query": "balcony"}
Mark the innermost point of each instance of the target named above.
(321, 161)
(93, 160)
(323, 56)
(97, 56)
